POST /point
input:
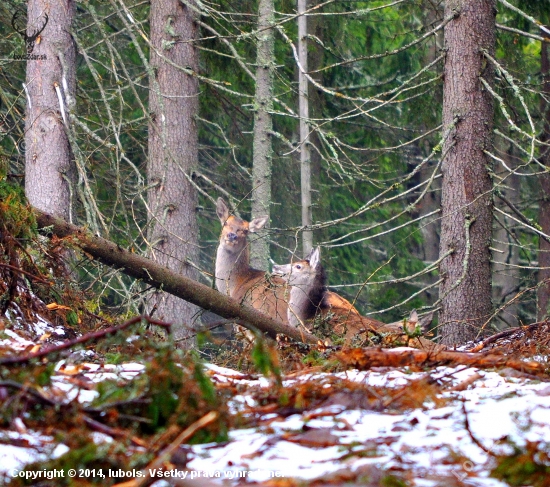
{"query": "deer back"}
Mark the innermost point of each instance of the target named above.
(344, 317)
(310, 299)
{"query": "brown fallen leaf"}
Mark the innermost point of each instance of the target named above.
(71, 369)
(53, 306)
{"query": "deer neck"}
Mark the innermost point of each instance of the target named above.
(231, 267)
(305, 301)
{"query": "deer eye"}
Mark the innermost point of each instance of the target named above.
(298, 266)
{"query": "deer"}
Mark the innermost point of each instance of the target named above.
(310, 298)
(234, 275)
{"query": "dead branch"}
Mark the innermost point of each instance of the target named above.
(463, 385)
(28, 390)
(506, 333)
(28, 274)
(469, 431)
(115, 433)
(163, 278)
(89, 337)
(365, 358)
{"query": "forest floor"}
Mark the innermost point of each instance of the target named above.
(389, 426)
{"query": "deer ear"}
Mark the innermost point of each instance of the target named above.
(413, 317)
(257, 223)
(222, 210)
(314, 257)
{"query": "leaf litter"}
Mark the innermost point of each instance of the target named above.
(384, 426)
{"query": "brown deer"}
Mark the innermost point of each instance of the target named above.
(235, 277)
(309, 298)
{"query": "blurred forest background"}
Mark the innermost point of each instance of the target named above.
(374, 83)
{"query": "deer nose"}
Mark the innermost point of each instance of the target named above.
(231, 237)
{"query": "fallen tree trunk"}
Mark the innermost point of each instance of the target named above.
(365, 358)
(163, 278)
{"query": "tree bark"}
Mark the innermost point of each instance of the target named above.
(543, 292)
(465, 292)
(50, 90)
(160, 276)
(173, 154)
(263, 125)
(305, 158)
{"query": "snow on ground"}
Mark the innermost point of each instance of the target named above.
(421, 441)
(502, 409)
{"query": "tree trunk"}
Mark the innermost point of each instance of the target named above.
(430, 228)
(305, 158)
(543, 292)
(506, 272)
(173, 154)
(263, 150)
(465, 292)
(50, 90)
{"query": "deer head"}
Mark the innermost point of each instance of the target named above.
(19, 24)
(303, 273)
(233, 238)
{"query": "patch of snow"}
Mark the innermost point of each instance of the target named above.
(216, 369)
(73, 392)
(17, 342)
(60, 450)
(424, 441)
(42, 326)
(14, 457)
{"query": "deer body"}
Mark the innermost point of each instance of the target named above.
(235, 277)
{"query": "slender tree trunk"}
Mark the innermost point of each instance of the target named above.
(543, 293)
(465, 292)
(317, 103)
(506, 276)
(173, 153)
(305, 159)
(431, 226)
(263, 151)
(50, 90)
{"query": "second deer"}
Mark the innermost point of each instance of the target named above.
(310, 298)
